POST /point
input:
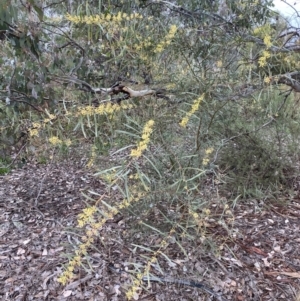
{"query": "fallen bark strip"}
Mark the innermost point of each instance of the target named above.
(115, 89)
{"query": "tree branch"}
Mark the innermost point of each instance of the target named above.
(117, 88)
(291, 79)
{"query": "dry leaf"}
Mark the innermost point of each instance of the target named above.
(20, 251)
(67, 293)
(25, 242)
(291, 274)
(266, 262)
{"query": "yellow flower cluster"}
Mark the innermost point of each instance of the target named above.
(87, 218)
(134, 176)
(86, 111)
(199, 219)
(265, 33)
(267, 79)
(219, 64)
(50, 117)
(144, 44)
(56, 141)
(148, 128)
(263, 30)
(292, 59)
(93, 156)
(102, 18)
(128, 201)
(205, 160)
(102, 109)
(207, 211)
(109, 177)
(34, 130)
(68, 142)
(262, 61)
(170, 86)
(267, 41)
(194, 108)
(36, 126)
(167, 41)
(84, 218)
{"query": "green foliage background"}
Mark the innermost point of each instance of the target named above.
(43, 51)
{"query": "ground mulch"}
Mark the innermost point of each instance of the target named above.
(249, 252)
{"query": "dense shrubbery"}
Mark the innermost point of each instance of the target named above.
(220, 115)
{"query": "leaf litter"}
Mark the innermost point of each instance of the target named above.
(256, 254)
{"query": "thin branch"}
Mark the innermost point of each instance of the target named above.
(43, 180)
(291, 79)
(63, 34)
(290, 5)
(31, 105)
(284, 34)
(74, 70)
(19, 152)
(54, 3)
(10, 81)
(19, 99)
(26, 102)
